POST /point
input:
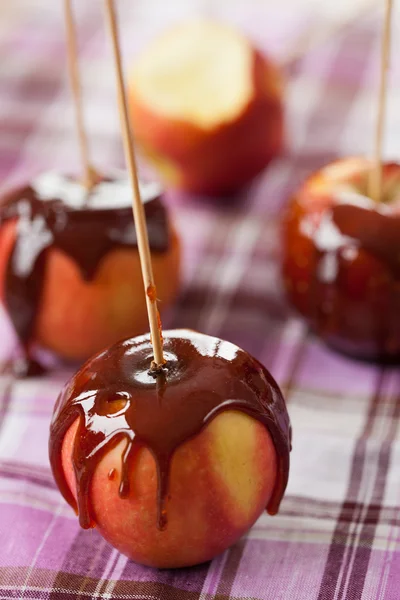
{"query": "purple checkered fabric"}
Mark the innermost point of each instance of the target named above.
(337, 535)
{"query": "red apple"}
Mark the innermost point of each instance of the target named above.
(341, 258)
(76, 316)
(207, 107)
(203, 446)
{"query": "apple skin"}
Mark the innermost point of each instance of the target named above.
(88, 316)
(351, 313)
(215, 161)
(220, 482)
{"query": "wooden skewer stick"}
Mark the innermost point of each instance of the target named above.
(375, 179)
(138, 210)
(90, 176)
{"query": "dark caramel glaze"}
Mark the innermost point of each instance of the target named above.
(116, 397)
(375, 232)
(344, 230)
(55, 211)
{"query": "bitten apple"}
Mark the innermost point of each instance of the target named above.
(207, 107)
(341, 261)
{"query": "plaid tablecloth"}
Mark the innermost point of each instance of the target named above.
(337, 535)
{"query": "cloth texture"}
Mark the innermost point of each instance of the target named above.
(337, 535)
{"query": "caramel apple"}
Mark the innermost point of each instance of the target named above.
(171, 467)
(70, 275)
(206, 107)
(342, 258)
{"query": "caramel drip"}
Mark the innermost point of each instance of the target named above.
(116, 397)
(56, 212)
(112, 474)
(357, 228)
(375, 232)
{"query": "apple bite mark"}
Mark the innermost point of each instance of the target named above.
(211, 65)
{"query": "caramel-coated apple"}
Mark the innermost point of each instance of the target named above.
(207, 107)
(70, 275)
(342, 258)
(172, 468)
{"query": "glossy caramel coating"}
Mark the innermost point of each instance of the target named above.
(341, 259)
(56, 212)
(115, 396)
